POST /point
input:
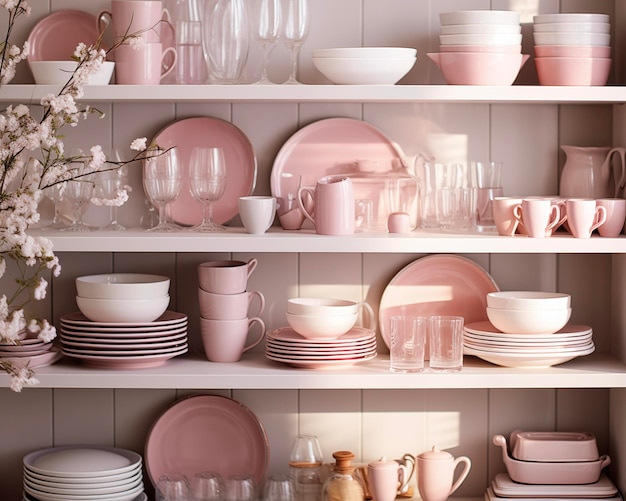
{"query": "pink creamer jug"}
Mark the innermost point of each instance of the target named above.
(590, 172)
(334, 209)
(435, 474)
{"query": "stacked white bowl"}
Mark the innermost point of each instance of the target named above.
(528, 312)
(572, 48)
(480, 47)
(364, 65)
(122, 297)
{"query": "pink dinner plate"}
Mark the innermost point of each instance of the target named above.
(32, 362)
(207, 432)
(126, 362)
(55, 37)
(322, 364)
(68, 335)
(320, 356)
(168, 318)
(122, 347)
(334, 146)
(287, 334)
(436, 285)
(240, 165)
(124, 354)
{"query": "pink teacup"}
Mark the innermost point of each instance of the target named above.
(584, 216)
(225, 340)
(538, 215)
(225, 277)
(399, 222)
(229, 306)
(615, 216)
(142, 64)
(505, 220)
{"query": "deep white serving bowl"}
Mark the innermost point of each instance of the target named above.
(479, 68)
(482, 39)
(321, 326)
(122, 286)
(479, 17)
(571, 17)
(468, 29)
(122, 310)
(573, 27)
(366, 52)
(528, 321)
(59, 72)
(528, 300)
(570, 38)
(322, 306)
(363, 70)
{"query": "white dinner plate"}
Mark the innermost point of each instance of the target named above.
(526, 360)
(486, 328)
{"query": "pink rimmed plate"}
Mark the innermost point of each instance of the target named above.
(207, 432)
(126, 362)
(55, 37)
(437, 285)
(166, 320)
(322, 364)
(240, 165)
(287, 334)
(43, 360)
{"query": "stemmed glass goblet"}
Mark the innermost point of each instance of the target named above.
(162, 182)
(109, 183)
(56, 194)
(207, 182)
(79, 192)
(295, 31)
(265, 19)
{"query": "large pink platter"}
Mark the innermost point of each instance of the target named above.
(240, 165)
(207, 432)
(55, 37)
(436, 285)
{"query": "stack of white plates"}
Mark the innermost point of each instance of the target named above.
(30, 352)
(287, 346)
(483, 340)
(124, 345)
(83, 473)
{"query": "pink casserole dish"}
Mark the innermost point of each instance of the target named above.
(554, 446)
(556, 473)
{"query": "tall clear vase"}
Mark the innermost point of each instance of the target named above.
(226, 40)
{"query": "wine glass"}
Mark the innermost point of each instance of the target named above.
(109, 183)
(56, 194)
(162, 182)
(265, 24)
(207, 181)
(295, 31)
(79, 192)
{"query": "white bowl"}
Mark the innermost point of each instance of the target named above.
(122, 310)
(482, 39)
(571, 17)
(573, 27)
(528, 321)
(122, 286)
(479, 17)
(321, 306)
(554, 446)
(466, 29)
(59, 72)
(320, 326)
(363, 71)
(568, 38)
(528, 300)
(369, 52)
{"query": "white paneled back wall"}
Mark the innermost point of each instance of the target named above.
(372, 423)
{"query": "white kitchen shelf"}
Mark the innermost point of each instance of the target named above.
(254, 371)
(277, 240)
(328, 93)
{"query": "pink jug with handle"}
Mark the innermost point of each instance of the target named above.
(589, 172)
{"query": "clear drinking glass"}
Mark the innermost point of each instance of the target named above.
(295, 31)
(173, 487)
(109, 182)
(207, 486)
(265, 17)
(278, 488)
(207, 181)
(162, 182)
(56, 194)
(79, 193)
(240, 488)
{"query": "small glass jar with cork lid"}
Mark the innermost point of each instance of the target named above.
(343, 485)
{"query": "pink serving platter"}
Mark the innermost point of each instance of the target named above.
(207, 432)
(241, 168)
(55, 37)
(436, 285)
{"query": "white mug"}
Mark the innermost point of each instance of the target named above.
(257, 213)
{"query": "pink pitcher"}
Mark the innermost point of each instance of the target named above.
(589, 172)
(334, 210)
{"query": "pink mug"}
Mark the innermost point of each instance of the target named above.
(615, 216)
(334, 210)
(143, 17)
(229, 306)
(584, 216)
(142, 64)
(225, 277)
(538, 215)
(225, 340)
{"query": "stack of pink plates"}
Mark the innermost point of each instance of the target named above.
(30, 351)
(483, 340)
(124, 345)
(287, 346)
(83, 473)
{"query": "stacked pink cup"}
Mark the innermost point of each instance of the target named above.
(572, 48)
(225, 303)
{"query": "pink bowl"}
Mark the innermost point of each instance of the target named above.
(477, 68)
(572, 70)
(601, 51)
(501, 49)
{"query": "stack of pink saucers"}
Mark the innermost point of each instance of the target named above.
(29, 352)
(124, 345)
(572, 48)
(287, 346)
(480, 47)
